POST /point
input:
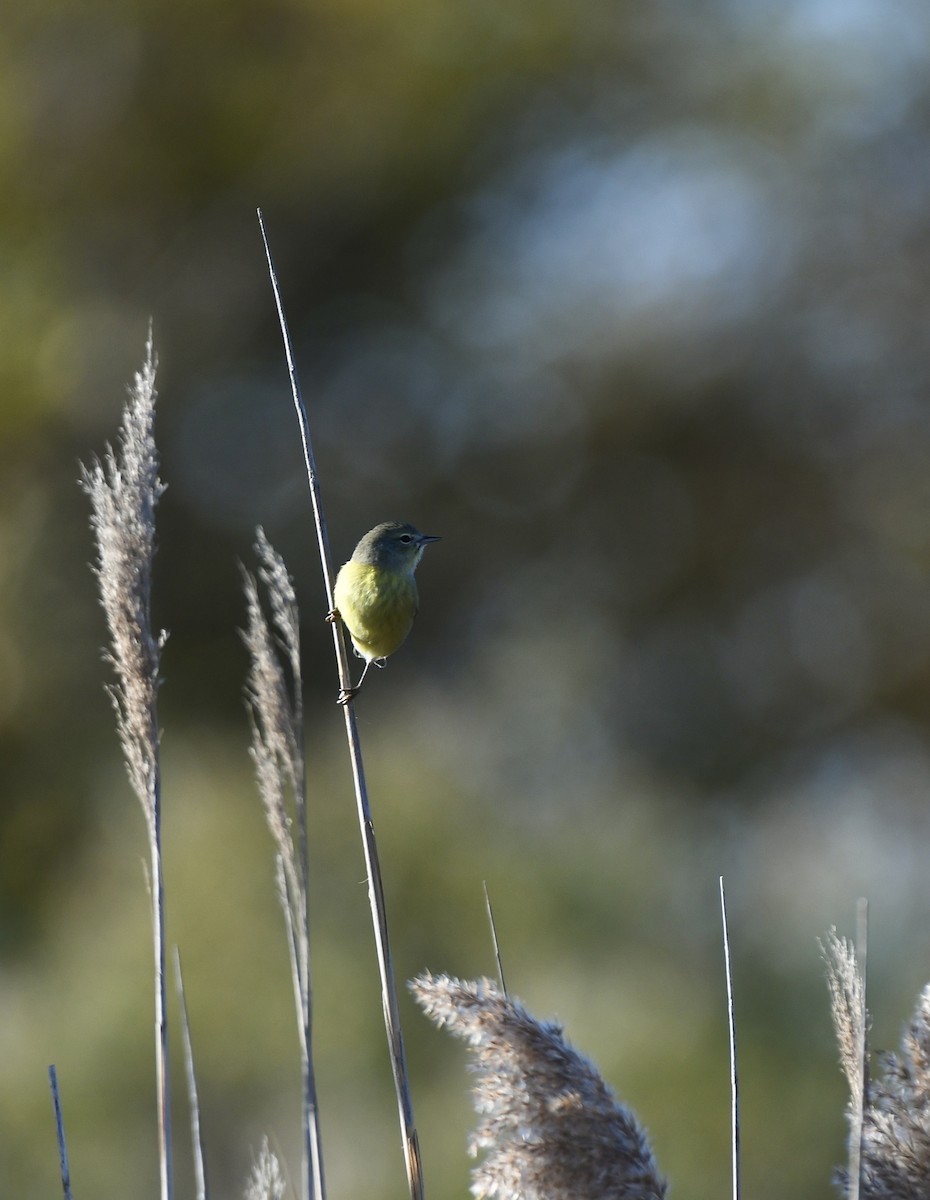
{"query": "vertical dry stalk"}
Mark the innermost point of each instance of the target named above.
(549, 1128)
(856, 1162)
(494, 940)
(392, 1024)
(63, 1163)
(276, 712)
(731, 1030)
(124, 490)
(197, 1148)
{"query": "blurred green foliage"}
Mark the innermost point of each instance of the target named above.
(629, 302)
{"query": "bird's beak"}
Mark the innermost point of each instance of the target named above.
(426, 538)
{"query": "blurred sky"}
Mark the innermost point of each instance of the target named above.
(628, 302)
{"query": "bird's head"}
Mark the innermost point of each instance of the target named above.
(393, 544)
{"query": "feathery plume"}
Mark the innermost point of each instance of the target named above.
(275, 704)
(549, 1128)
(850, 1022)
(896, 1126)
(892, 1110)
(275, 709)
(850, 1019)
(124, 490)
(266, 1182)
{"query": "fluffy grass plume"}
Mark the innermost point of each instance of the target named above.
(273, 695)
(851, 1023)
(895, 1143)
(893, 1110)
(266, 1181)
(549, 1128)
(124, 491)
(274, 703)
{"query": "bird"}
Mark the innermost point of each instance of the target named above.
(375, 595)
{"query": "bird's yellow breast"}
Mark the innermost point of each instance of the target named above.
(377, 606)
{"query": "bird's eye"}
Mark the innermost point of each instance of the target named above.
(405, 538)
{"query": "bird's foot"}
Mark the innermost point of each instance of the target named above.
(347, 694)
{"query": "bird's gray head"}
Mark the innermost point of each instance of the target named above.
(393, 544)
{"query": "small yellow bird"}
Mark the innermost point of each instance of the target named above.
(376, 593)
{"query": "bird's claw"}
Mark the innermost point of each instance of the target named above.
(346, 694)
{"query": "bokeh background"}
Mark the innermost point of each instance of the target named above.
(629, 301)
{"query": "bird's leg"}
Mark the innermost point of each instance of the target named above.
(347, 694)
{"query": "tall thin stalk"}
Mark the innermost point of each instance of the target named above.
(63, 1163)
(393, 1029)
(857, 1134)
(494, 940)
(124, 490)
(197, 1147)
(731, 1031)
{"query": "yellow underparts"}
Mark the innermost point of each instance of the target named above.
(377, 606)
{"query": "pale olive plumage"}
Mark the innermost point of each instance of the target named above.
(376, 593)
